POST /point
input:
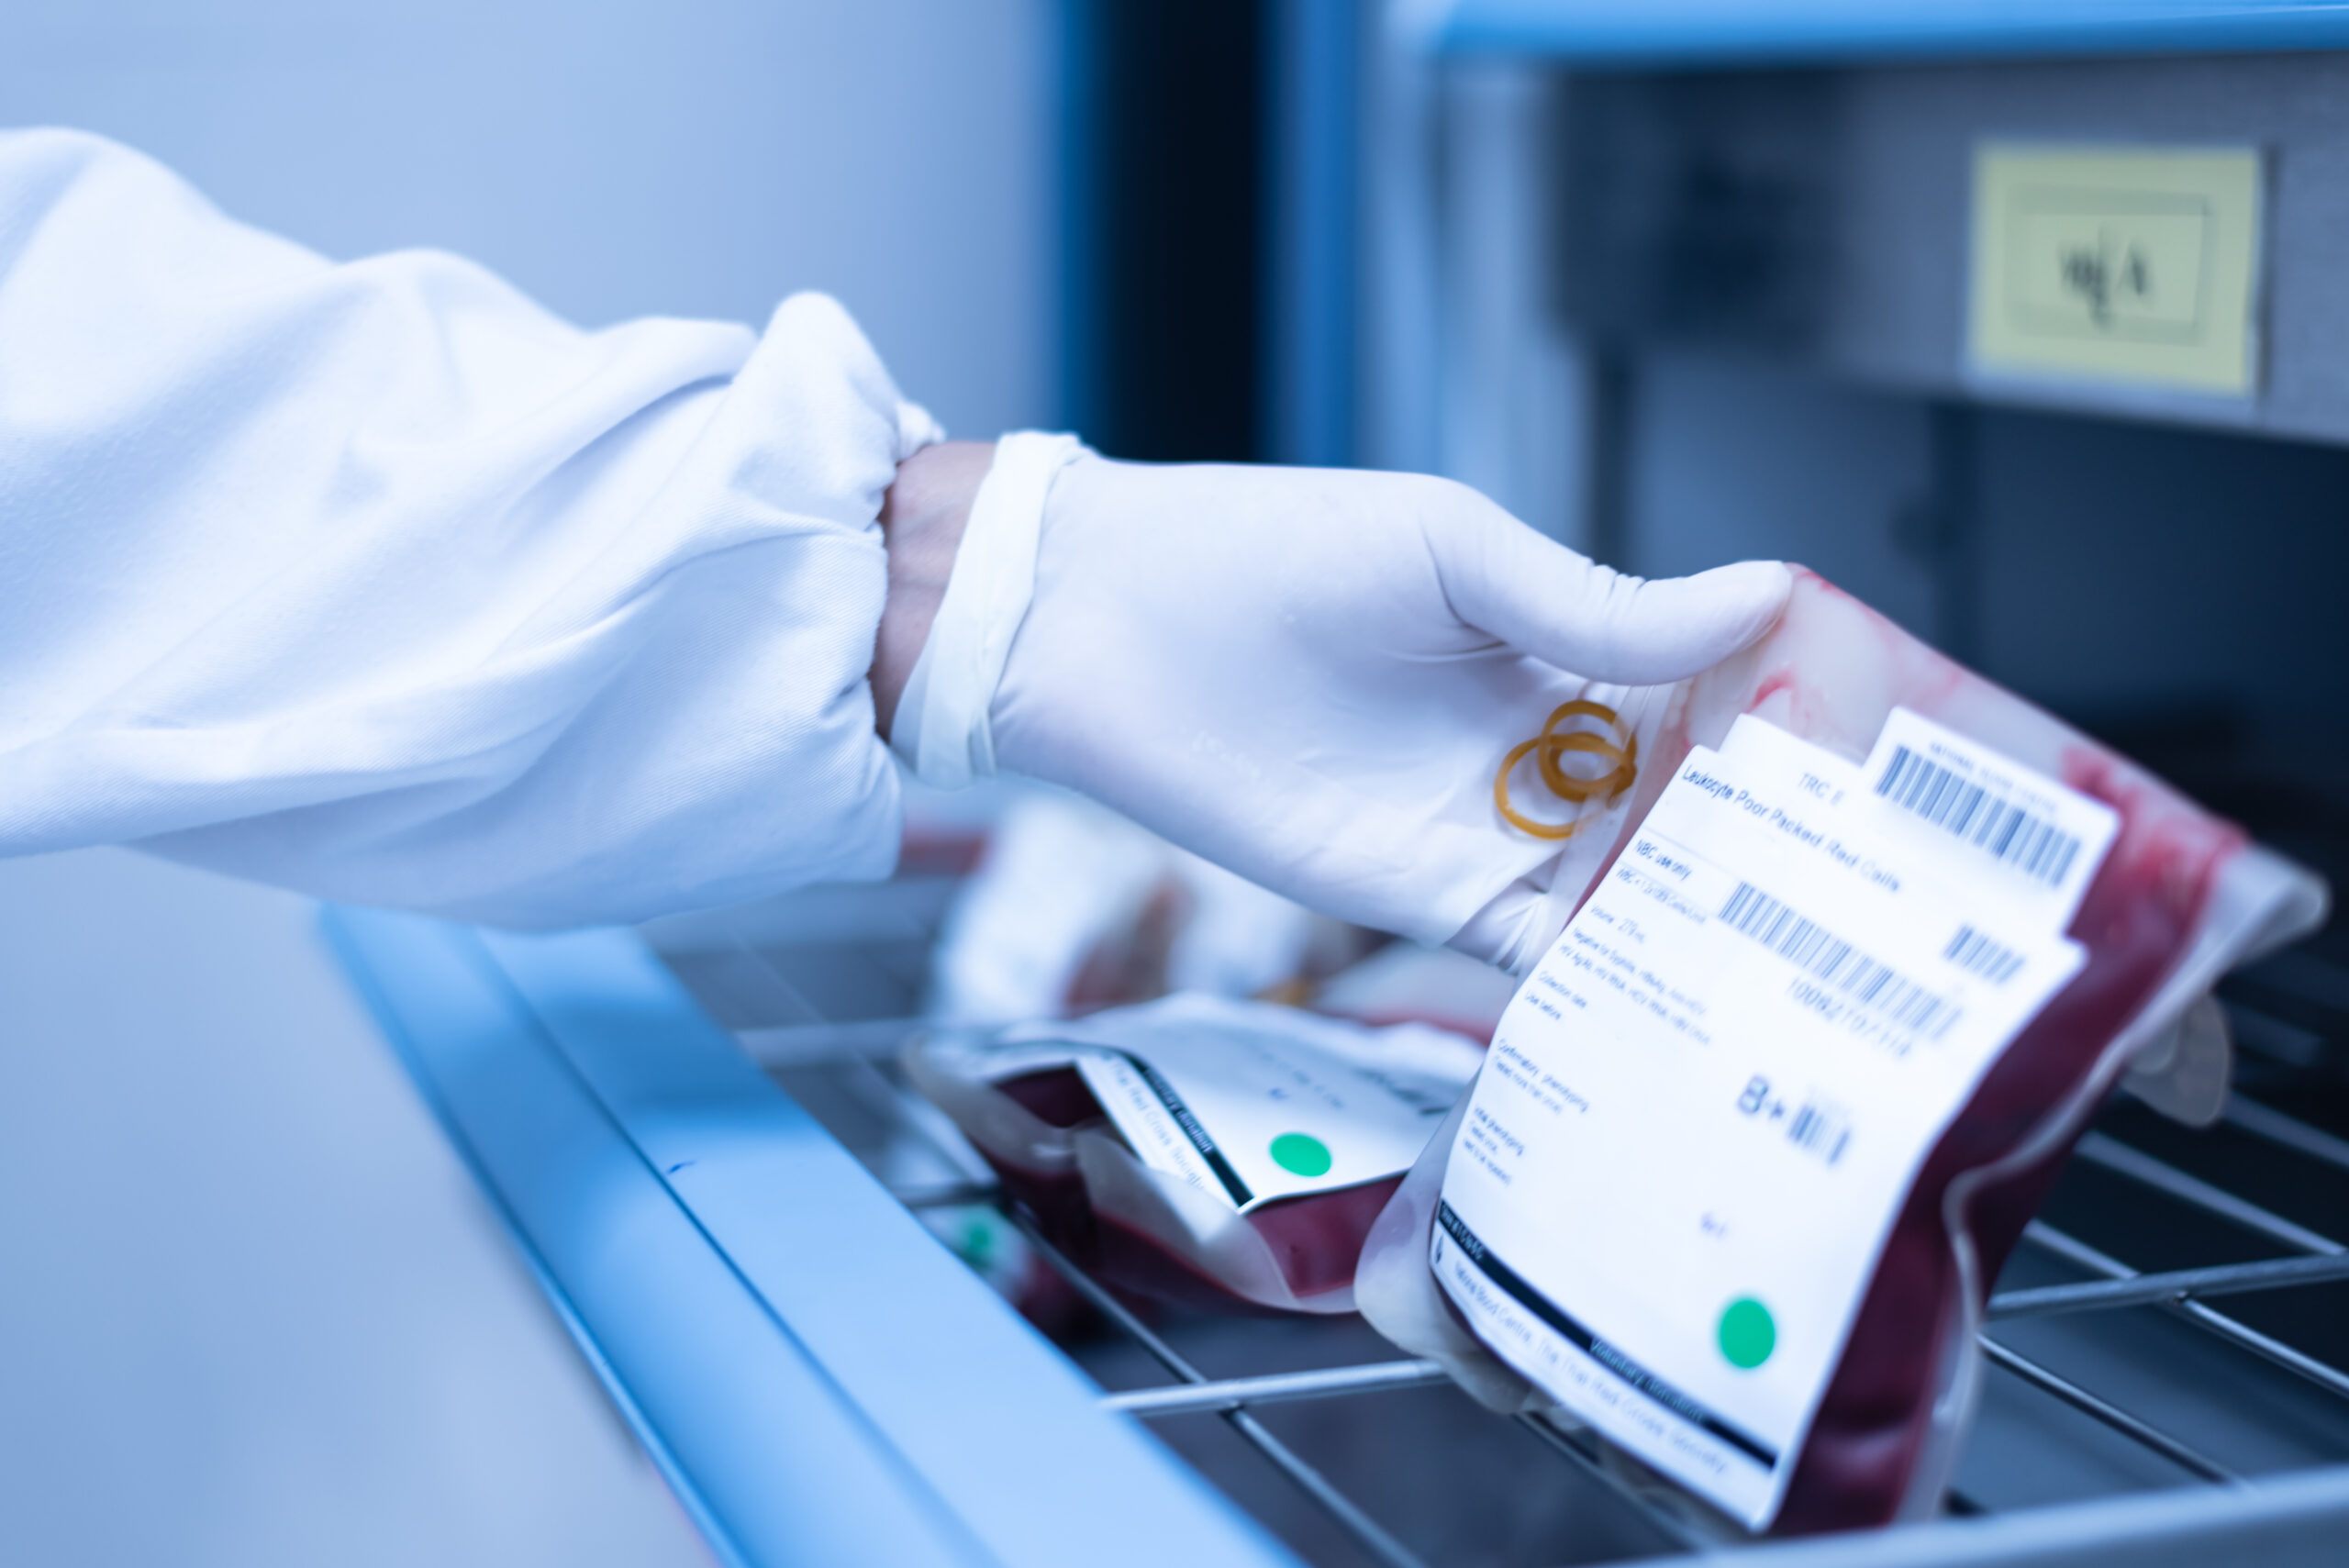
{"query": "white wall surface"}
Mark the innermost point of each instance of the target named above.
(695, 157)
(251, 1311)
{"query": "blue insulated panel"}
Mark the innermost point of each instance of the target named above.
(1748, 31)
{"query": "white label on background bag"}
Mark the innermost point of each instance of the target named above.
(1254, 1115)
(1703, 1109)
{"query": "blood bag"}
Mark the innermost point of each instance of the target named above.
(1846, 968)
(1220, 1153)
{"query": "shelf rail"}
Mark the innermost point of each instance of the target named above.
(2114, 1287)
(1372, 1536)
(2185, 1295)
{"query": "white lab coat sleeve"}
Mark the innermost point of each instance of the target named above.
(377, 581)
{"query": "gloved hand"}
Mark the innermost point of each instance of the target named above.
(1308, 676)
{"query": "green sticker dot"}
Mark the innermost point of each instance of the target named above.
(1302, 1153)
(1747, 1335)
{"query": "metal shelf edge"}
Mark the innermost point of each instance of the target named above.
(669, 1195)
(2290, 1521)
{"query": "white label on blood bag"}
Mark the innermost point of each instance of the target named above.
(2043, 841)
(1255, 1104)
(1702, 1111)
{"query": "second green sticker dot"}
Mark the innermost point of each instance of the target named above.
(1301, 1153)
(1747, 1334)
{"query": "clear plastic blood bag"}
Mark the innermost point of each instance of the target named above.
(1224, 1154)
(2141, 909)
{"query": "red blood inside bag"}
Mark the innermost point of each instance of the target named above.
(2140, 918)
(1315, 1241)
(2180, 896)
(1250, 1149)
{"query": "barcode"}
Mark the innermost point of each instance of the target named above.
(1820, 1130)
(1988, 821)
(1972, 950)
(1812, 949)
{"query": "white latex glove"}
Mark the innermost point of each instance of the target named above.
(1308, 676)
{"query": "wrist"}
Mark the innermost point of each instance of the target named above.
(923, 516)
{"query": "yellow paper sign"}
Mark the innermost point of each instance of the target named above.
(2136, 265)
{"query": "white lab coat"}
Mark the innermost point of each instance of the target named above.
(378, 581)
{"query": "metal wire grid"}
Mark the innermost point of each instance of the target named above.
(850, 1052)
(1192, 1390)
(2185, 1292)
